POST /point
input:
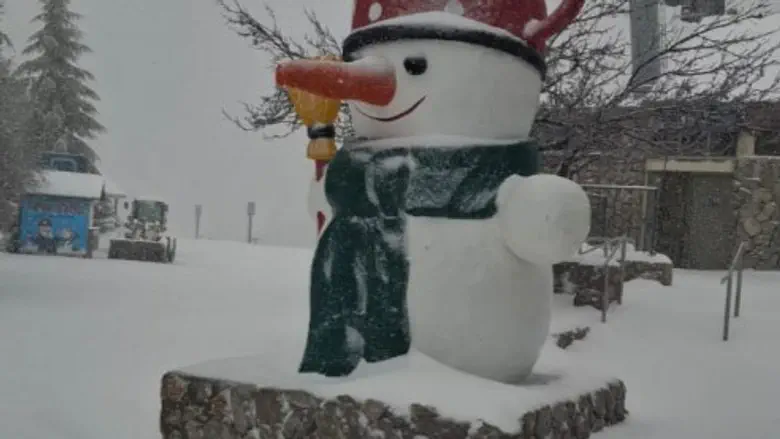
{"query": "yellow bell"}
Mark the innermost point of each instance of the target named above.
(319, 114)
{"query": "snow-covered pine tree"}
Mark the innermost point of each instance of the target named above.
(17, 162)
(64, 114)
(5, 40)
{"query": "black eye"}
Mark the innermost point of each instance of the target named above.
(416, 65)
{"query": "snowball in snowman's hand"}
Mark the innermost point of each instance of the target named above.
(544, 218)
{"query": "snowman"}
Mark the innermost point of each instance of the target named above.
(440, 234)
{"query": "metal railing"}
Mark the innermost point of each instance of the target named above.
(735, 267)
(610, 248)
(612, 206)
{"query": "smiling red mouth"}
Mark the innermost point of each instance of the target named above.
(398, 116)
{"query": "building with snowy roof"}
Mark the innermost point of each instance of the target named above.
(57, 212)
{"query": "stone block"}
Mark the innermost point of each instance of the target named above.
(203, 407)
(586, 281)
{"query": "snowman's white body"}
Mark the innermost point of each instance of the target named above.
(473, 305)
(479, 293)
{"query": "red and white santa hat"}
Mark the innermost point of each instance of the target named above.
(517, 27)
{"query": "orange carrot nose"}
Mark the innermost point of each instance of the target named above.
(369, 80)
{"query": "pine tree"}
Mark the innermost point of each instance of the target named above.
(5, 40)
(18, 164)
(64, 114)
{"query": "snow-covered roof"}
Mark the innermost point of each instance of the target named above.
(74, 184)
(112, 189)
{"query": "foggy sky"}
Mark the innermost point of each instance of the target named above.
(165, 70)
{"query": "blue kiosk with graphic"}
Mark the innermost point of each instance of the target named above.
(55, 216)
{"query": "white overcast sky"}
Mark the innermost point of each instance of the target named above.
(165, 70)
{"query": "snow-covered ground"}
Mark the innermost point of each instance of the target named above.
(83, 343)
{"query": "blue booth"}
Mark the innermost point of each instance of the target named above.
(55, 217)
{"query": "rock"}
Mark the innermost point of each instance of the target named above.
(487, 431)
(768, 175)
(762, 194)
(566, 338)
(173, 388)
(528, 423)
(600, 403)
(748, 210)
(581, 428)
(752, 226)
(587, 281)
(375, 410)
(661, 272)
(767, 212)
(544, 421)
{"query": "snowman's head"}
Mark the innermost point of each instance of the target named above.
(429, 84)
(449, 88)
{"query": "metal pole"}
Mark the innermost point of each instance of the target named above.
(249, 231)
(654, 221)
(198, 213)
(727, 312)
(250, 211)
(605, 295)
(738, 298)
(622, 269)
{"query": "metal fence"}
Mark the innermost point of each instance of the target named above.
(614, 250)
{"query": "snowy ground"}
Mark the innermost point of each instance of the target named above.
(84, 343)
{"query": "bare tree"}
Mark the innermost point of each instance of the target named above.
(593, 97)
(712, 71)
(275, 110)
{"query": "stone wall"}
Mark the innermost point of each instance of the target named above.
(207, 408)
(751, 212)
(756, 196)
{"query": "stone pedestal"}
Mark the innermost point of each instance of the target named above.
(586, 281)
(198, 406)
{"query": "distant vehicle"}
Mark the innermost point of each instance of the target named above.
(145, 236)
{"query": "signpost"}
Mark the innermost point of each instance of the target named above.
(198, 213)
(250, 211)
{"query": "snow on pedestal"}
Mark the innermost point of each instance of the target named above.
(408, 397)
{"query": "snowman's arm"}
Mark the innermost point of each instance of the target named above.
(317, 201)
(544, 218)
